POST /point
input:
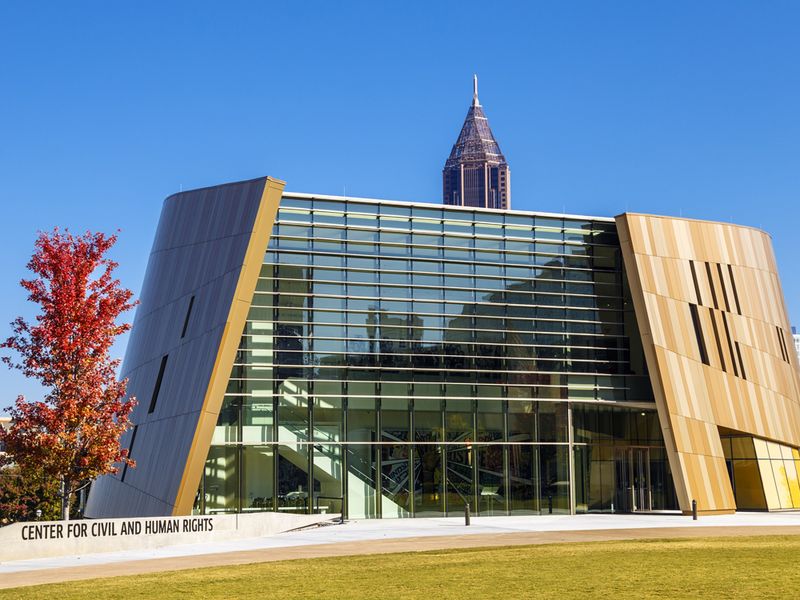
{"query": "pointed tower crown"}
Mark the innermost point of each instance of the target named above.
(476, 172)
(476, 141)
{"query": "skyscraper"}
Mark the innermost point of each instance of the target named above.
(476, 172)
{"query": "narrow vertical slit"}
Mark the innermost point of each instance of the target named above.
(696, 284)
(130, 451)
(782, 343)
(735, 293)
(786, 347)
(186, 320)
(157, 388)
(730, 344)
(716, 338)
(711, 285)
(724, 289)
(741, 362)
(698, 331)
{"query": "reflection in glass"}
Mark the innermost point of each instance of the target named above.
(523, 476)
(258, 420)
(414, 379)
(491, 486)
(747, 485)
(460, 477)
(361, 467)
(227, 428)
(395, 432)
(327, 419)
(428, 488)
(395, 488)
(490, 420)
(554, 479)
(427, 416)
(293, 412)
(220, 481)
(328, 478)
(293, 485)
(361, 419)
(258, 476)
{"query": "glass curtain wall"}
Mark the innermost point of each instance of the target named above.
(405, 360)
(764, 474)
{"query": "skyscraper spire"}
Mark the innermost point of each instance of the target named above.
(476, 172)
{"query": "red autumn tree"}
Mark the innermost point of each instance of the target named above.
(72, 435)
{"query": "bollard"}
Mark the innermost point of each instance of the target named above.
(549, 505)
(694, 510)
(466, 514)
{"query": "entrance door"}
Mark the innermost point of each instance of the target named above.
(633, 489)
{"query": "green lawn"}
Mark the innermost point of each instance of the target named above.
(745, 567)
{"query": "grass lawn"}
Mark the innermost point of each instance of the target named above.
(744, 567)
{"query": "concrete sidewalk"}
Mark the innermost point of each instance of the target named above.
(397, 535)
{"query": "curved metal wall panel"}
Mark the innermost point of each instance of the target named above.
(206, 246)
(717, 340)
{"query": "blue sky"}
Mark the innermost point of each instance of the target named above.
(600, 107)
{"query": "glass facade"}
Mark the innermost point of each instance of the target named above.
(404, 360)
(764, 474)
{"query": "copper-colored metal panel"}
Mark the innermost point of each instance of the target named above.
(711, 311)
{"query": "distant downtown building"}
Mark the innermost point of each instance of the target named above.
(298, 353)
(476, 173)
(5, 423)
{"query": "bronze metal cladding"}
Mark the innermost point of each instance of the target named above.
(717, 342)
(199, 283)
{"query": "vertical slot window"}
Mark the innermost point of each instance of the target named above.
(785, 347)
(711, 285)
(698, 331)
(724, 289)
(130, 451)
(157, 387)
(730, 344)
(741, 362)
(696, 283)
(735, 293)
(782, 344)
(186, 320)
(716, 338)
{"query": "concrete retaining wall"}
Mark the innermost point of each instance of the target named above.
(41, 539)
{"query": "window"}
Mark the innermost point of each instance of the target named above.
(157, 387)
(186, 320)
(130, 451)
(698, 331)
(716, 337)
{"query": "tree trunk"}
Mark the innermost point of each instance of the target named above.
(66, 484)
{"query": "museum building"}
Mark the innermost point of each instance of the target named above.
(306, 353)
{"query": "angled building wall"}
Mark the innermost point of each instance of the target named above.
(553, 336)
(199, 283)
(718, 345)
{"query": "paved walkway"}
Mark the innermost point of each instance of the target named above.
(400, 535)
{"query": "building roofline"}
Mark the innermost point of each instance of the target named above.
(691, 220)
(527, 213)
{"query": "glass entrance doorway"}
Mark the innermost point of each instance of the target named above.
(633, 487)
